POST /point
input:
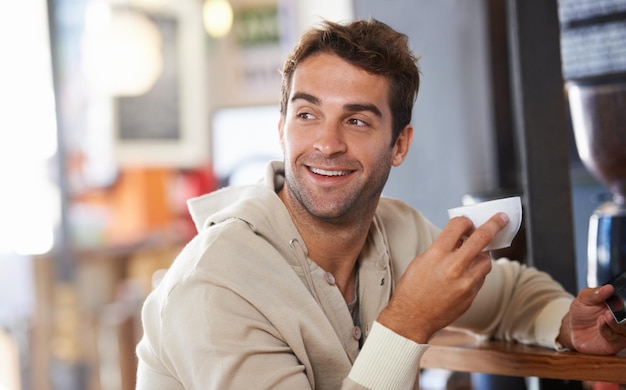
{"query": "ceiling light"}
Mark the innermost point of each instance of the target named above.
(218, 17)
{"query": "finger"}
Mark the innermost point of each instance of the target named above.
(481, 264)
(484, 234)
(595, 295)
(610, 329)
(454, 232)
(607, 317)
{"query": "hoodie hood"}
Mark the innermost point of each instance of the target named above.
(234, 202)
(259, 206)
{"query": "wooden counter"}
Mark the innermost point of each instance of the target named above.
(457, 351)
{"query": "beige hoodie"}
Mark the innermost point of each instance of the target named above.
(243, 307)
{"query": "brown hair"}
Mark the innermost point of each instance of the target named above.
(370, 45)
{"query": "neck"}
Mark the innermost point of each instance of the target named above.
(336, 252)
(335, 247)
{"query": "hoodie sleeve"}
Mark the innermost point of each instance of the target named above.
(387, 361)
(518, 303)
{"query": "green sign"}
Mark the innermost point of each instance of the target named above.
(257, 26)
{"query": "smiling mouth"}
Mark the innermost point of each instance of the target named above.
(325, 172)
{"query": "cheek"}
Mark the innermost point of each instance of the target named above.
(288, 145)
(292, 144)
(381, 158)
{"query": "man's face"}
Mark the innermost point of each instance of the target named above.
(336, 137)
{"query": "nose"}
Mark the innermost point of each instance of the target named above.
(330, 139)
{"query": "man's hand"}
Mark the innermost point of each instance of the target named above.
(440, 284)
(589, 327)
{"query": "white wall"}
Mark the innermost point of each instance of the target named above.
(452, 152)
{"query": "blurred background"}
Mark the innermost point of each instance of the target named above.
(114, 112)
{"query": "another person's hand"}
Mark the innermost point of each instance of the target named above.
(440, 284)
(589, 326)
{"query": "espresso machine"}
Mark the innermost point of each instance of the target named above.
(598, 113)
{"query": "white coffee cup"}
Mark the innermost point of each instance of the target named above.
(479, 213)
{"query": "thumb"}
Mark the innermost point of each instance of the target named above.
(596, 295)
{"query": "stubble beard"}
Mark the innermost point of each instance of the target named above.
(335, 207)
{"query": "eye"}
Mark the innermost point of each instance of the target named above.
(357, 122)
(305, 115)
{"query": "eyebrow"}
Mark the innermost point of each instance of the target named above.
(305, 96)
(364, 107)
(353, 107)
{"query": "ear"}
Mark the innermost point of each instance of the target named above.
(281, 134)
(402, 145)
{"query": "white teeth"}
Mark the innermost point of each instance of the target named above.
(328, 173)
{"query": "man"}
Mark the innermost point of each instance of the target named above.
(312, 280)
